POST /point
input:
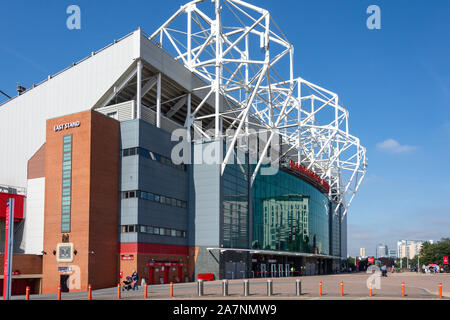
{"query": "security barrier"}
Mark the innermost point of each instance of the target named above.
(269, 287)
(225, 288)
(298, 287)
(246, 288)
(200, 288)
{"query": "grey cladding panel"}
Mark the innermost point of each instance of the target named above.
(207, 204)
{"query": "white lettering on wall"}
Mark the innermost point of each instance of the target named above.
(65, 126)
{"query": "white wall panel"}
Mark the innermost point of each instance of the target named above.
(33, 235)
(23, 119)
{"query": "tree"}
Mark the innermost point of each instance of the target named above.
(351, 263)
(433, 253)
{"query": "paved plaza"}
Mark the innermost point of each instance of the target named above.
(417, 286)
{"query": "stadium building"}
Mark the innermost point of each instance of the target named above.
(92, 157)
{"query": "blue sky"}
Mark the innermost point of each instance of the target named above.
(395, 82)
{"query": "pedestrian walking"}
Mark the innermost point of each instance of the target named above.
(135, 278)
(384, 271)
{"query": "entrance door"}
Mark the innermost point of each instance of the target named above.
(263, 271)
(286, 270)
(63, 282)
(273, 270)
(280, 270)
(241, 270)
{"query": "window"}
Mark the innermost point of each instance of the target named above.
(149, 196)
(152, 156)
(113, 115)
(153, 230)
(66, 196)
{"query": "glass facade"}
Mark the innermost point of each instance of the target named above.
(66, 184)
(289, 215)
(236, 206)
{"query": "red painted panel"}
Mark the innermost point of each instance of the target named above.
(153, 248)
(206, 276)
(18, 205)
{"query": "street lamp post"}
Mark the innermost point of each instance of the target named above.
(407, 255)
(418, 262)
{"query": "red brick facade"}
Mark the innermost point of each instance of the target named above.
(94, 201)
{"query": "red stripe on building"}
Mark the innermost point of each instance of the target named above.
(152, 248)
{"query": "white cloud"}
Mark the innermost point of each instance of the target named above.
(393, 146)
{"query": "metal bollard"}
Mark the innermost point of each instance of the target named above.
(440, 290)
(27, 293)
(320, 288)
(171, 289)
(403, 289)
(342, 288)
(225, 288)
(200, 288)
(89, 292)
(145, 291)
(298, 287)
(59, 292)
(246, 288)
(269, 287)
(118, 291)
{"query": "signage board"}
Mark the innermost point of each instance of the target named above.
(165, 264)
(64, 252)
(371, 260)
(64, 269)
(445, 260)
(65, 126)
(127, 257)
(309, 173)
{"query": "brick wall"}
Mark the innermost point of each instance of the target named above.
(24, 263)
(94, 205)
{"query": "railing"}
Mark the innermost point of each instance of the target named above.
(13, 190)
